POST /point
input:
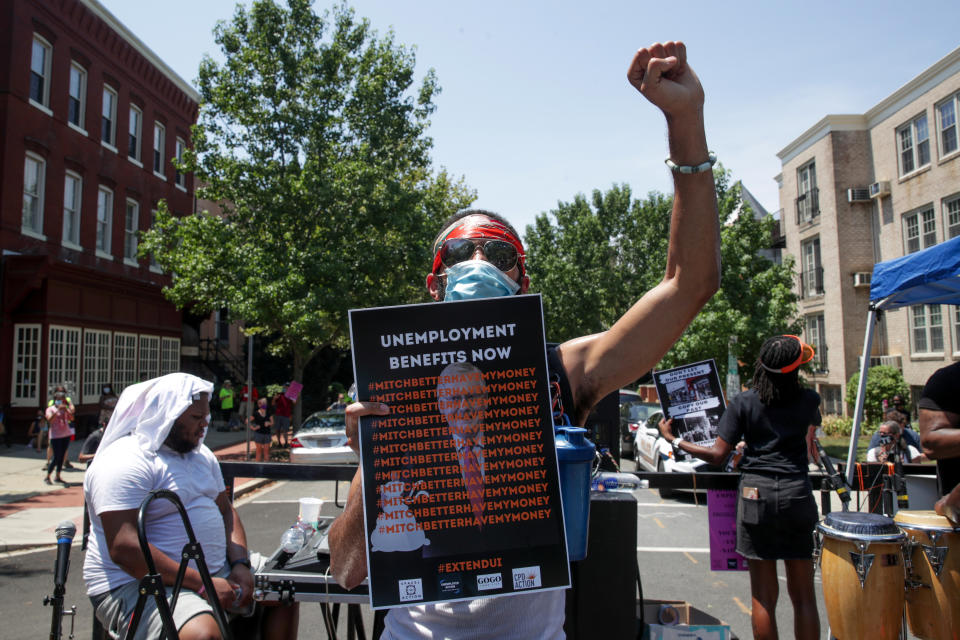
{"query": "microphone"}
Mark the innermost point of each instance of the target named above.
(65, 532)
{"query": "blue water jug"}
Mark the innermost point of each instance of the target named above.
(575, 454)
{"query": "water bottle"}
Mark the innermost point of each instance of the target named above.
(293, 540)
(623, 482)
(575, 453)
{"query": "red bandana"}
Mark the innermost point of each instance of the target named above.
(477, 226)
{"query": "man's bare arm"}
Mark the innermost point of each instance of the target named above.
(347, 539)
(236, 548)
(601, 363)
(940, 434)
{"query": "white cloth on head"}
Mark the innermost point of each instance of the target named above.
(148, 409)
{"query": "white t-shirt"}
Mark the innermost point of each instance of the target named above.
(122, 478)
(537, 615)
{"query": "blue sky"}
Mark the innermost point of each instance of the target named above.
(536, 108)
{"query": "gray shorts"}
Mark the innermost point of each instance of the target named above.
(115, 608)
(281, 424)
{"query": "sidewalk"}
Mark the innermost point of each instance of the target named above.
(31, 510)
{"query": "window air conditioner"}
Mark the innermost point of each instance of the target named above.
(859, 194)
(861, 279)
(879, 189)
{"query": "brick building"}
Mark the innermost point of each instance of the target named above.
(91, 119)
(860, 189)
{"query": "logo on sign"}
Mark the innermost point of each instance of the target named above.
(526, 578)
(489, 581)
(450, 585)
(411, 589)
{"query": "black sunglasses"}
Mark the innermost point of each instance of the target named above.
(499, 253)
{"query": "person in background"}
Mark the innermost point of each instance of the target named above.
(107, 402)
(38, 432)
(261, 423)
(91, 444)
(339, 405)
(227, 396)
(244, 411)
(60, 388)
(59, 415)
(890, 446)
(776, 510)
(282, 411)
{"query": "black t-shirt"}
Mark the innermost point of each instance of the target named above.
(942, 393)
(261, 420)
(775, 435)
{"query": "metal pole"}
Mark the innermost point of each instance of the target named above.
(247, 403)
(861, 392)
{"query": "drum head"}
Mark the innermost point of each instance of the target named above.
(924, 521)
(854, 525)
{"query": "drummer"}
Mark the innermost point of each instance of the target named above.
(777, 420)
(940, 434)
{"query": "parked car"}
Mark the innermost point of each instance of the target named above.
(633, 413)
(653, 453)
(322, 439)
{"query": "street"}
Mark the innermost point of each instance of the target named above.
(672, 553)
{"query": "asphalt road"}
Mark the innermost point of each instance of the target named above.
(672, 553)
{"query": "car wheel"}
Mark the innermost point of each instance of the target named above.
(664, 492)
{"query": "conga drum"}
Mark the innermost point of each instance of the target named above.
(933, 577)
(863, 576)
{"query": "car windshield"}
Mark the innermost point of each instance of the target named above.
(318, 421)
(638, 412)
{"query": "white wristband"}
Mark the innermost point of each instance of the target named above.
(699, 168)
(676, 442)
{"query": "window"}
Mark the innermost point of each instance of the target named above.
(26, 365)
(808, 196)
(72, 191)
(77, 98)
(124, 360)
(149, 357)
(63, 357)
(914, 145)
(108, 119)
(951, 217)
(811, 278)
(817, 338)
(130, 228)
(947, 122)
(832, 399)
(133, 139)
(926, 328)
(221, 325)
(178, 177)
(169, 355)
(40, 58)
(159, 135)
(96, 363)
(104, 220)
(919, 230)
(34, 174)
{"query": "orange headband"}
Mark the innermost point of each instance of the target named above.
(806, 355)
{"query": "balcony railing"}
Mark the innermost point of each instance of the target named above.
(811, 283)
(895, 361)
(819, 362)
(808, 206)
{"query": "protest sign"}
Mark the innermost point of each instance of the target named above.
(692, 396)
(722, 520)
(460, 481)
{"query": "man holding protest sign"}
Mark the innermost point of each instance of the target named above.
(478, 254)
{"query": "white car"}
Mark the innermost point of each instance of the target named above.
(653, 453)
(322, 439)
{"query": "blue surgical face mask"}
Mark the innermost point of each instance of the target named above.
(473, 279)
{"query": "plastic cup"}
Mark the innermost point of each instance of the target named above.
(310, 510)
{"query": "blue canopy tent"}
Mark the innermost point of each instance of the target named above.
(931, 276)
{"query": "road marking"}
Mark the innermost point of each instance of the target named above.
(742, 606)
(659, 524)
(690, 558)
(675, 549)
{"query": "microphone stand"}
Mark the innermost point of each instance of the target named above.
(835, 480)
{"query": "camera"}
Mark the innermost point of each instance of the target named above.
(885, 439)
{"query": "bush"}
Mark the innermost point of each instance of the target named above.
(882, 382)
(834, 425)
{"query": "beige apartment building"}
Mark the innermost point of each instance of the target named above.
(860, 189)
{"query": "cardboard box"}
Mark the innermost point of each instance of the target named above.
(688, 632)
(679, 620)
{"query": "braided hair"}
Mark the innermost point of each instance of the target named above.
(776, 353)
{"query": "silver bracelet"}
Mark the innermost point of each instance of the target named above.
(676, 442)
(699, 168)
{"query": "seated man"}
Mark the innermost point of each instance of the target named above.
(908, 435)
(155, 441)
(890, 446)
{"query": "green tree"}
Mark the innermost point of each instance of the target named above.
(592, 260)
(883, 382)
(312, 139)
